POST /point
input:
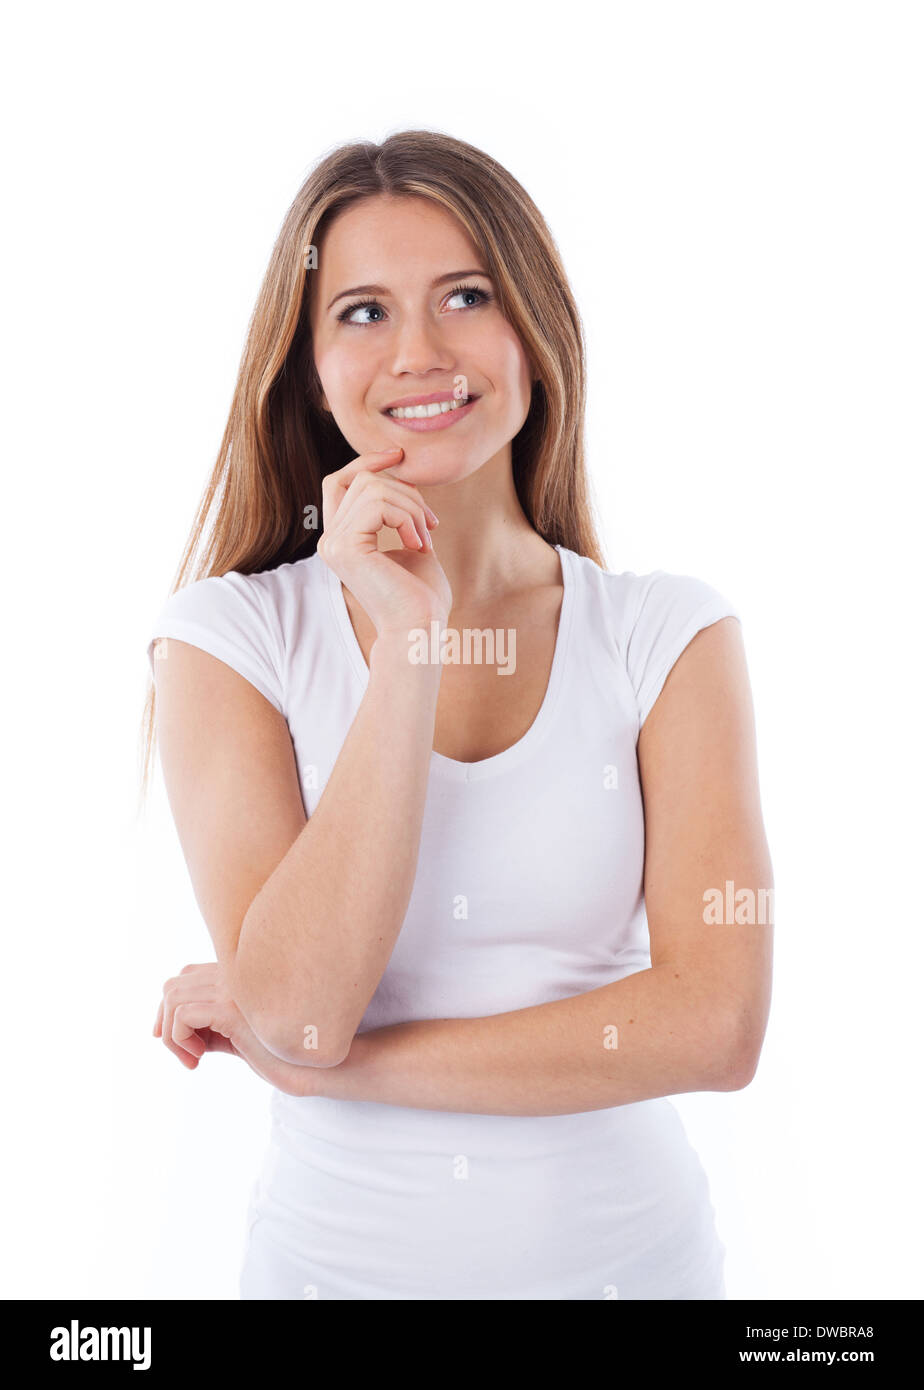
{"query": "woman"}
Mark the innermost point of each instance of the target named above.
(451, 794)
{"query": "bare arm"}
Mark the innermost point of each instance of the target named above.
(304, 914)
(318, 936)
(696, 1019)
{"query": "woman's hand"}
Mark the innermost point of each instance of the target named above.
(197, 1015)
(399, 589)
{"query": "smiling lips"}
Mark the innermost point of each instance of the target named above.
(436, 412)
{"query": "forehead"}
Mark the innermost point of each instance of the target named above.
(407, 236)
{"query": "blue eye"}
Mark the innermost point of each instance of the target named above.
(471, 289)
(484, 297)
(360, 304)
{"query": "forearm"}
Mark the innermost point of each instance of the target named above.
(317, 938)
(655, 1033)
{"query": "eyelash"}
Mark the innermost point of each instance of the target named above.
(486, 297)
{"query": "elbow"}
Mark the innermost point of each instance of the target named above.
(284, 1031)
(736, 1063)
(290, 1031)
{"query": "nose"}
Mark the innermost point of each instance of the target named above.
(418, 347)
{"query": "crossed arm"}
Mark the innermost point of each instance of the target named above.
(694, 1021)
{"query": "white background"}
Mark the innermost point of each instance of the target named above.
(736, 192)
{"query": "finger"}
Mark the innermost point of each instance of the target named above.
(335, 484)
(163, 1013)
(186, 1057)
(187, 969)
(371, 481)
(197, 986)
(412, 529)
(355, 511)
(380, 485)
(187, 1018)
(371, 513)
(215, 1041)
(413, 494)
(366, 463)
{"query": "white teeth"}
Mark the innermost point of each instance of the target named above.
(423, 412)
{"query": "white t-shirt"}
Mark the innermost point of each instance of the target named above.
(528, 889)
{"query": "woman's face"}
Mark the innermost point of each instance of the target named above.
(416, 335)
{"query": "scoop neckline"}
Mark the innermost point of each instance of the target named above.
(452, 768)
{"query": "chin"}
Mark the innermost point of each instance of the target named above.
(429, 465)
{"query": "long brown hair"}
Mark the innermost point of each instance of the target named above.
(279, 444)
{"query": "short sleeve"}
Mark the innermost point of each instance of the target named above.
(230, 616)
(671, 610)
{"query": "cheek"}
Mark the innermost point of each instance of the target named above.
(509, 368)
(343, 376)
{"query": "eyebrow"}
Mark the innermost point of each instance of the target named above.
(381, 289)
